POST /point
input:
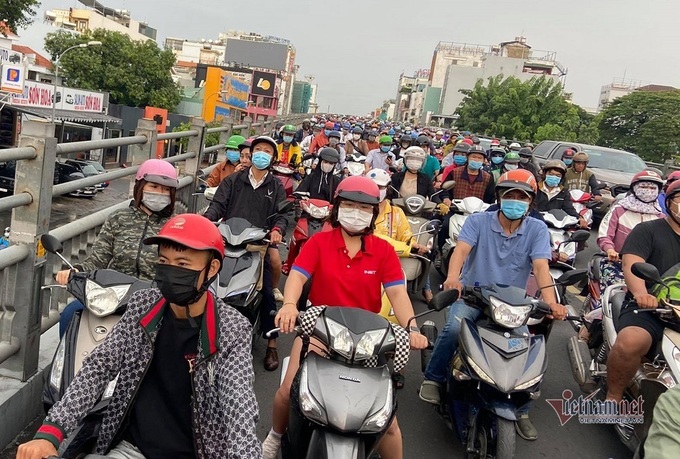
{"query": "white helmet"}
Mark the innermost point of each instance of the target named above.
(440, 133)
(415, 153)
(379, 176)
(515, 146)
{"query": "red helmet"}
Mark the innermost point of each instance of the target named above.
(358, 189)
(193, 231)
(672, 178)
(519, 179)
(672, 190)
(329, 125)
(158, 171)
(647, 176)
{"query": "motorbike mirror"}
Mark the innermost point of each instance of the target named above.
(580, 236)
(443, 299)
(285, 206)
(449, 184)
(51, 243)
(200, 174)
(572, 277)
(647, 272)
(433, 226)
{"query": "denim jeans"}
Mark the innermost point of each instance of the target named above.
(447, 341)
(123, 450)
(67, 314)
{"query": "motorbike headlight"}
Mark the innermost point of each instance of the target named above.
(378, 422)
(102, 301)
(57, 370)
(308, 404)
(316, 212)
(530, 383)
(482, 375)
(341, 340)
(509, 316)
(366, 346)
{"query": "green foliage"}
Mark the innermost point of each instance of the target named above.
(210, 139)
(135, 73)
(17, 13)
(646, 123)
(534, 109)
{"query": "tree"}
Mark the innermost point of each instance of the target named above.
(646, 123)
(210, 139)
(515, 109)
(17, 14)
(134, 73)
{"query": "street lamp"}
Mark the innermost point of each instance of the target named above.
(56, 74)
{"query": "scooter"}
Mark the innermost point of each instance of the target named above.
(497, 370)
(343, 402)
(287, 176)
(584, 204)
(654, 376)
(105, 294)
(313, 219)
(462, 209)
(355, 163)
(4, 240)
(560, 226)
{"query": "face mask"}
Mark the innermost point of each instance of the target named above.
(552, 180)
(413, 165)
(459, 160)
(354, 221)
(233, 156)
(385, 149)
(356, 136)
(287, 138)
(496, 159)
(179, 285)
(371, 138)
(511, 167)
(383, 194)
(407, 132)
(568, 161)
(645, 195)
(514, 209)
(155, 202)
(333, 142)
(327, 167)
(326, 131)
(475, 165)
(405, 145)
(524, 160)
(261, 160)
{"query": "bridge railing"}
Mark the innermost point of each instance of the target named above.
(26, 308)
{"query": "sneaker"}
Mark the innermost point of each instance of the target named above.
(271, 446)
(278, 296)
(525, 428)
(430, 392)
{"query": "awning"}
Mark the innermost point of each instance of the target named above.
(68, 115)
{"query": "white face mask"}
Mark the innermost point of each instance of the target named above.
(383, 195)
(354, 220)
(413, 164)
(327, 167)
(511, 167)
(356, 136)
(155, 202)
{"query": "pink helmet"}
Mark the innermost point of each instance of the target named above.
(158, 171)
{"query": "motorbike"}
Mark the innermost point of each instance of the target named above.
(4, 240)
(355, 163)
(654, 376)
(461, 209)
(497, 369)
(343, 402)
(561, 226)
(105, 294)
(287, 176)
(584, 204)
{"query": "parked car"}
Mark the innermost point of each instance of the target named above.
(89, 168)
(7, 171)
(614, 169)
(68, 173)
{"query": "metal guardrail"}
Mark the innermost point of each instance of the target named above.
(667, 167)
(25, 310)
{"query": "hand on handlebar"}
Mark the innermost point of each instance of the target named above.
(275, 237)
(454, 284)
(36, 449)
(418, 341)
(646, 301)
(559, 312)
(286, 318)
(613, 255)
(63, 275)
(443, 209)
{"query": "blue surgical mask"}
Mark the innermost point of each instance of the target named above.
(459, 160)
(385, 148)
(552, 180)
(514, 209)
(287, 138)
(497, 159)
(475, 165)
(233, 156)
(568, 161)
(326, 131)
(261, 160)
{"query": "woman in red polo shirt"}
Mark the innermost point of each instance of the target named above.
(338, 261)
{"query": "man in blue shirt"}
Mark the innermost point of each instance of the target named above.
(494, 247)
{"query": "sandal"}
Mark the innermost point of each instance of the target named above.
(399, 380)
(428, 295)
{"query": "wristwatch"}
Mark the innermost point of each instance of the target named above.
(413, 329)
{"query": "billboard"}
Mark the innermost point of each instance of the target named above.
(257, 54)
(12, 79)
(264, 83)
(224, 92)
(40, 95)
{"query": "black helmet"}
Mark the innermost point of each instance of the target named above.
(476, 149)
(335, 134)
(461, 148)
(357, 130)
(329, 154)
(497, 152)
(405, 138)
(525, 153)
(476, 141)
(422, 140)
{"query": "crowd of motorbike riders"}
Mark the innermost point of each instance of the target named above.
(163, 407)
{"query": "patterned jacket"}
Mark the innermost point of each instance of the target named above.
(224, 411)
(119, 244)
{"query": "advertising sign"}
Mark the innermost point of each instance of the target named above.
(225, 92)
(12, 78)
(39, 95)
(264, 83)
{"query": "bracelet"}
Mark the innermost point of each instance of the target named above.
(289, 302)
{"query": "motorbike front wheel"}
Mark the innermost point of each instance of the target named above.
(505, 438)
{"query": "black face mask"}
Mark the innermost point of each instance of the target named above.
(178, 285)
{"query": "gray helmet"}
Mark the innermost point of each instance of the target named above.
(555, 164)
(329, 154)
(335, 134)
(357, 130)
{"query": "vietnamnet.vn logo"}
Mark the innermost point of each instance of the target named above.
(589, 410)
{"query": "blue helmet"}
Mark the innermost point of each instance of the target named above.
(414, 135)
(390, 132)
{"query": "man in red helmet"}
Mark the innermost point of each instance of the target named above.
(321, 139)
(182, 361)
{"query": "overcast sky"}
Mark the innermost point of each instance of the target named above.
(357, 52)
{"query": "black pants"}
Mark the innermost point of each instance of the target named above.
(444, 231)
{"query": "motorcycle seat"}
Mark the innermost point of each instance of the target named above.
(617, 305)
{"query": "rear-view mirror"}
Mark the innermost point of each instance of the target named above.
(647, 272)
(573, 277)
(449, 184)
(580, 236)
(443, 299)
(51, 243)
